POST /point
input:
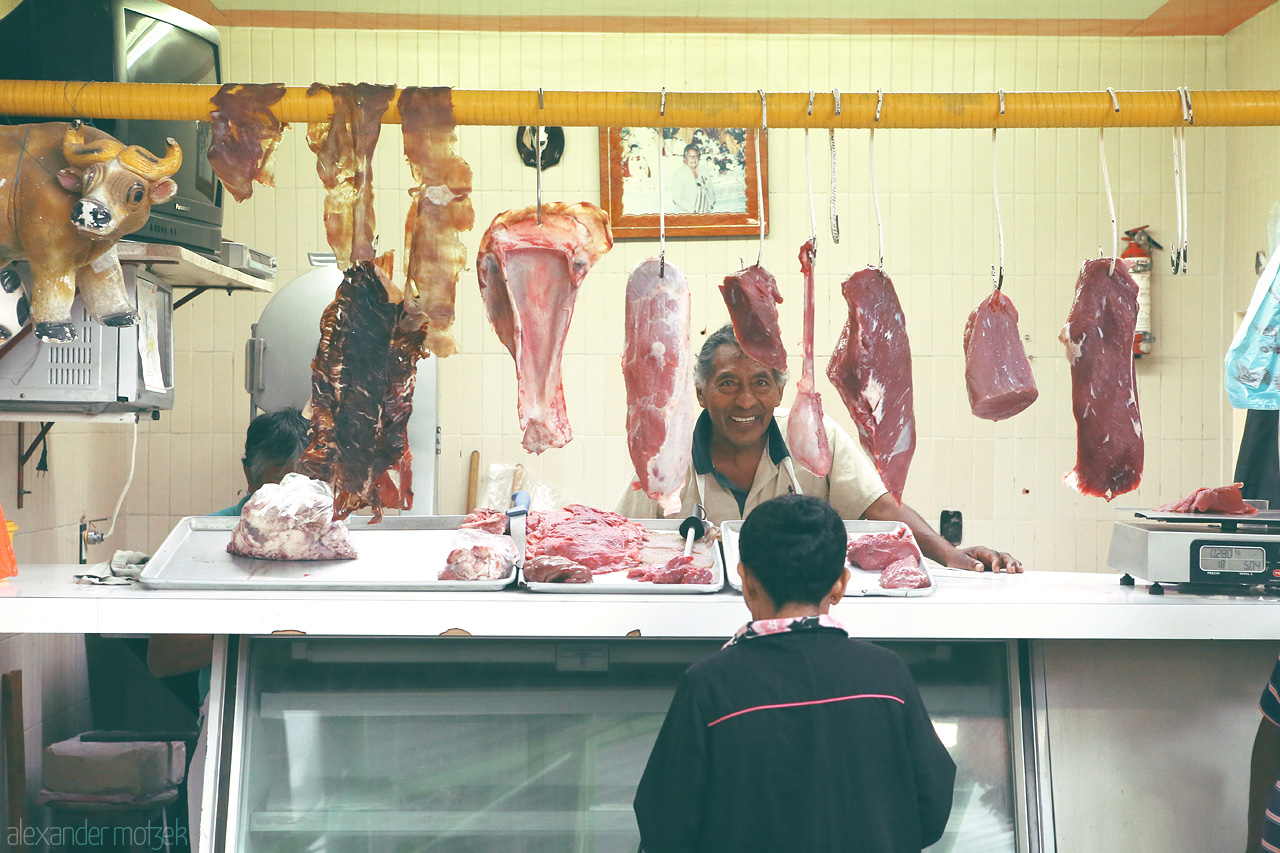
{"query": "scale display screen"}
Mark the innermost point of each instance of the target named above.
(1233, 558)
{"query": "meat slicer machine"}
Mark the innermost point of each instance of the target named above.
(1201, 549)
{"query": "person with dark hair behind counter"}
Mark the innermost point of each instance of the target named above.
(273, 444)
(795, 736)
(740, 459)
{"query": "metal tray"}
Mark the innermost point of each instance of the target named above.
(618, 582)
(402, 553)
(861, 582)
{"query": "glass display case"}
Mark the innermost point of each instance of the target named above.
(457, 744)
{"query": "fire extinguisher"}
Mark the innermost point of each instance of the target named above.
(1138, 256)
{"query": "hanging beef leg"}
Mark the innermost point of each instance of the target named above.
(529, 277)
(806, 436)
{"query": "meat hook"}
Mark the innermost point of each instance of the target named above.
(1175, 252)
(808, 177)
(537, 156)
(995, 192)
(1115, 102)
(879, 102)
(875, 195)
(1000, 93)
(1106, 180)
(662, 215)
(764, 128)
(831, 139)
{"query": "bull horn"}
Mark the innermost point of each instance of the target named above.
(142, 162)
(80, 153)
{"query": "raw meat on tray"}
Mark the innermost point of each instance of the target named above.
(600, 540)
(484, 518)
(291, 520)
(530, 271)
(1098, 336)
(904, 574)
(894, 555)
(1223, 500)
(549, 569)
(871, 368)
(480, 556)
(679, 569)
(657, 366)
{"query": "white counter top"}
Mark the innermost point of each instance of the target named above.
(1037, 605)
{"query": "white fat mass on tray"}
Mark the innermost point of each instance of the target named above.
(291, 520)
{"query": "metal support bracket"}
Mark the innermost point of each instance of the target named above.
(24, 455)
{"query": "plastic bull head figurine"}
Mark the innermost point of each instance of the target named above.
(68, 193)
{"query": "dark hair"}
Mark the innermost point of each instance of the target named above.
(274, 438)
(694, 146)
(723, 336)
(795, 546)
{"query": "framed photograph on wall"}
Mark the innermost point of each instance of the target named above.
(708, 175)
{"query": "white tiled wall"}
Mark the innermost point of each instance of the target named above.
(939, 243)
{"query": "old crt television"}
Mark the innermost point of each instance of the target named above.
(129, 41)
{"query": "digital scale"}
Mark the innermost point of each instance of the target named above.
(1204, 549)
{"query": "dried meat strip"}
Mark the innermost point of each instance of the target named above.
(441, 209)
(362, 382)
(245, 135)
(344, 150)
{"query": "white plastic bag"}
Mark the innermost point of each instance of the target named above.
(497, 489)
(1253, 360)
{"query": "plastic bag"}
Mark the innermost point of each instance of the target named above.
(497, 490)
(291, 520)
(479, 555)
(1254, 356)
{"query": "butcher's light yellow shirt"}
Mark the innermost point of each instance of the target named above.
(850, 488)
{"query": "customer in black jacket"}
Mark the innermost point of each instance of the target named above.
(794, 736)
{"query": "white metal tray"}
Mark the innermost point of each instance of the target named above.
(402, 553)
(663, 532)
(861, 582)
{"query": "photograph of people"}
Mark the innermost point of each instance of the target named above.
(691, 192)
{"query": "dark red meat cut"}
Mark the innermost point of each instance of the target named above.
(1224, 500)
(752, 297)
(1098, 336)
(996, 368)
(875, 552)
(555, 570)
(244, 135)
(602, 541)
(871, 368)
(362, 382)
(344, 148)
(904, 574)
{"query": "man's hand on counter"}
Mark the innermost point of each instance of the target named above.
(976, 558)
(979, 558)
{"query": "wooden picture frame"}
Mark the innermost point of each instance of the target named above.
(726, 178)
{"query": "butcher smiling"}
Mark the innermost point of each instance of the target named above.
(740, 459)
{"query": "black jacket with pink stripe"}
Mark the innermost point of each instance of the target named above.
(804, 740)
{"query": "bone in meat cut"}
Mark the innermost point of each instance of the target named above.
(871, 368)
(657, 366)
(806, 436)
(529, 277)
(244, 135)
(362, 382)
(996, 369)
(1098, 336)
(752, 297)
(441, 208)
(344, 150)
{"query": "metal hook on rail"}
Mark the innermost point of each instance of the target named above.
(1115, 102)
(764, 129)
(1000, 93)
(810, 102)
(662, 215)
(1111, 204)
(537, 156)
(831, 138)
(879, 102)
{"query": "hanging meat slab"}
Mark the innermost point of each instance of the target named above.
(996, 369)
(752, 297)
(344, 153)
(441, 209)
(362, 382)
(657, 366)
(871, 368)
(806, 435)
(529, 277)
(244, 135)
(1098, 336)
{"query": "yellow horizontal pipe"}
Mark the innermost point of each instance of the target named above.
(686, 109)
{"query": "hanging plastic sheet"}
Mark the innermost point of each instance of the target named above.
(1253, 360)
